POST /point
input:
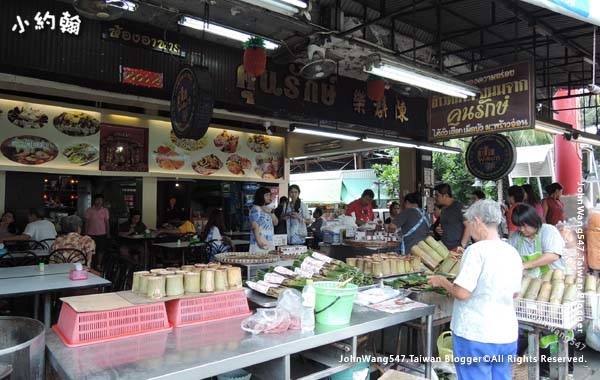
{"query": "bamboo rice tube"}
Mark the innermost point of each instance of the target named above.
(172, 269)
(545, 290)
(425, 258)
(187, 268)
(221, 283)
(368, 267)
(401, 266)
(376, 268)
(174, 285)
(548, 275)
(234, 277)
(207, 281)
(136, 280)
(447, 264)
(386, 269)
(407, 263)
(569, 279)
(191, 282)
(558, 291)
(351, 261)
(156, 287)
(439, 248)
(360, 264)
(533, 289)
(394, 265)
(213, 265)
(157, 270)
(430, 252)
(143, 287)
(570, 293)
(455, 268)
(415, 263)
(558, 275)
(590, 284)
(524, 285)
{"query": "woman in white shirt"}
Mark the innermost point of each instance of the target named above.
(484, 325)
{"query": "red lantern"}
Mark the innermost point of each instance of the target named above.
(375, 89)
(255, 61)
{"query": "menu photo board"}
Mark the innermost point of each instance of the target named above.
(219, 153)
(37, 135)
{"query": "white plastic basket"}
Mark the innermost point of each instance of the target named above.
(591, 299)
(564, 316)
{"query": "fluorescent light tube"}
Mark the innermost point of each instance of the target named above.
(326, 134)
(216, 29)
(125, 5)
(287, 7)
(389, 142)
(417, 77)
(549, 128)
(440, 149)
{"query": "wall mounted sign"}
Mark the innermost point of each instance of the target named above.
(283, 89)
(147, 39)
(192, 103)
(506, 103)
(123, 149)
(139, 77)
(67, 23)
(491, 157)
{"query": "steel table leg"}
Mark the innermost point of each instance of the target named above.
(533, 368)
(36, 306)
(47, 308)
(428, 349)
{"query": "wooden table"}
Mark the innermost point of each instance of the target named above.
(26, 280)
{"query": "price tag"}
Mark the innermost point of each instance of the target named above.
(274, 278)
(322, 257)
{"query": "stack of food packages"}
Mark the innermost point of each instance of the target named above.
(553, 287)
(386, 264)
(592, 296)
(189, 279)
(310, 265)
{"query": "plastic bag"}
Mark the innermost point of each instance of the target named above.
(376, 295)
(285, 316)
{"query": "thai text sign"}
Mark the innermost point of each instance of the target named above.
(506, 103)
(139, 77)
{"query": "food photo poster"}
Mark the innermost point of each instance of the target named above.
(42, 135)
(219, 153)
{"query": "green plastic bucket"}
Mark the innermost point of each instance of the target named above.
(333, 305)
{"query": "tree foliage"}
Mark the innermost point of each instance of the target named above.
(389, 174)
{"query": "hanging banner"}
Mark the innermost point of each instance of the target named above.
(506, 103)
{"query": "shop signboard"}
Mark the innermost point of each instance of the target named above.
(491, 157)
(283, 90)
(220, 154)
(140, 77)
(44, 136)
(123, 149)
(506, 103)
(140, 36)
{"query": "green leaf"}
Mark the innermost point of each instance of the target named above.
(254, 42)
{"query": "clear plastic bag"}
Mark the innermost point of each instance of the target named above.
(285, 316)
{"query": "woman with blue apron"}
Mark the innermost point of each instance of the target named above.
(419, 230)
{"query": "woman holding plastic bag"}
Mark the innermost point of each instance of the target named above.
(296, 216)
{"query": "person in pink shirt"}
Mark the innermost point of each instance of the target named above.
(97, 226)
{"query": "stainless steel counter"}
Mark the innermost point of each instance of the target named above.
(206, 350)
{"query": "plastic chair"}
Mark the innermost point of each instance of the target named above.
(15, 259)
(198, 253)
(46, 243)
(67, 255)
(23, 245)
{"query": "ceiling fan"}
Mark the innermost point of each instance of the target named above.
(105, 10)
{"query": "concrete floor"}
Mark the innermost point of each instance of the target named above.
(590, 370)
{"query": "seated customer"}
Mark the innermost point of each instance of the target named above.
(133, 226)
(37, 229)
(8, 226)
(72, 238)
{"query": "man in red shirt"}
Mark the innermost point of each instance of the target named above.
(362, 208)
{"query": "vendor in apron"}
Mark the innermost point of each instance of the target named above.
(413, 222)
(540, 245)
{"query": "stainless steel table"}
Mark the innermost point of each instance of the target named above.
(199, 352)
(26, 280)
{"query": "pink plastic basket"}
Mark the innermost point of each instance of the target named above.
(188, 311)
(77, 329)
